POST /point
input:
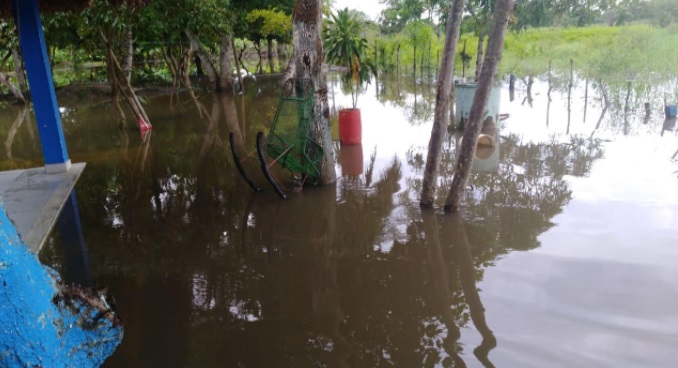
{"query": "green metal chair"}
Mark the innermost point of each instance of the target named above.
(288, 142)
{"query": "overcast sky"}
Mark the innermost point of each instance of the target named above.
(370, 7)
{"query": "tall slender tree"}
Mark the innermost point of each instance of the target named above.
(495, 46)
(441, 117)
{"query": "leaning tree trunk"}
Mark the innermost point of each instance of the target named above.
(237, 67)
(12, 88)
(19, 70)
(308, 59)
(115, 91)
(128, 49)
(479, 57)
(119, 82)
(441, 118)
(226, 51)
(495, 47)
(205, 60)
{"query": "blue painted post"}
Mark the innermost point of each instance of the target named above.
(32, 42)
(73, 243)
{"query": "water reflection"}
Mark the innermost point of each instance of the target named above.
(208, 273)
(669, 124)
(25, 143)
(20, 117)
(451, 234)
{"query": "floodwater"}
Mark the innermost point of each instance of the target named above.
(565, 253)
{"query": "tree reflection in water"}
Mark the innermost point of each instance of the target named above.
(206, 273)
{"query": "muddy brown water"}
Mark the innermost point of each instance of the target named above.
(565, 254)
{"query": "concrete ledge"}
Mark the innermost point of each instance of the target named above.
(58, 168)
(33, 200)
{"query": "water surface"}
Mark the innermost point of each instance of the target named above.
(564, 254)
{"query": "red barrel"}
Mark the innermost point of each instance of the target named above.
(350, 127)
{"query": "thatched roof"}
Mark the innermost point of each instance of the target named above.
(62, 5)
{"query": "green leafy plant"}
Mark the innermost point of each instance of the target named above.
(345, 46)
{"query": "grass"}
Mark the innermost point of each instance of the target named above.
(608, 54)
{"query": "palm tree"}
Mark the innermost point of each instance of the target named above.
(344, 46)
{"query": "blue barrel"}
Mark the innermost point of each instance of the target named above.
(671, 111)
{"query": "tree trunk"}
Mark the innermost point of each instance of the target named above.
(237, 68)
(586, 98)
(376, 63)
(281, 50)
(441, 115)
(225, 80)
(398, 67)
(198, 66)
(308, 59)
(495, 48)
(479, 57)
(12, 88)
(19, 70)
(128, 49)
(120, 81)
(257, 46)
(171, 63)
(205, 60)
(227, 103)
(421, 65)
(428, 70)
(115, 90)
(414, 68)
(185, 67)
(569, 95)
(269, 53)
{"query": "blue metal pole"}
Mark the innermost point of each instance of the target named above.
(32, 42)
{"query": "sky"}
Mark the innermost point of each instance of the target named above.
(370, 7)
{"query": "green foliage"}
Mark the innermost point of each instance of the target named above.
(663, 12)
(544, 13)
(345, 45)
(401, 46)
(612, 55)
(270, 24)
(399, 13)
(167, 19)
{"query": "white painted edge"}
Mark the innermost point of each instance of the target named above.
(58, 168)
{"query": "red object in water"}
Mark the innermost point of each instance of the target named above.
(350, 126)
(143, 125)
(351, 158)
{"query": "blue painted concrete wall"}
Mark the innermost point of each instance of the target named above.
(34, 331)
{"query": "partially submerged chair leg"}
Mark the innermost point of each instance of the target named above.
(265, 168)
(238, 164)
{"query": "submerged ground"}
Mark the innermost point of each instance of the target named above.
(564, 254)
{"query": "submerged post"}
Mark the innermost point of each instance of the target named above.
(32, 42)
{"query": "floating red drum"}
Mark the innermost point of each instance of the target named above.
(350, 126)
